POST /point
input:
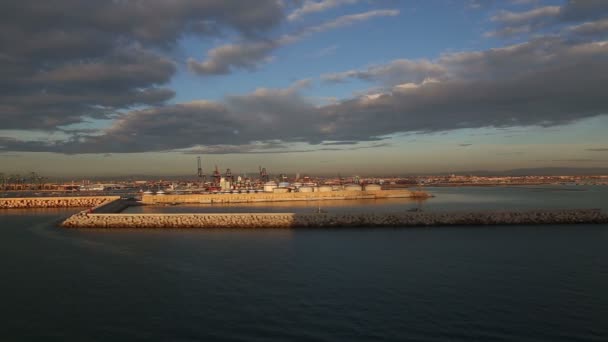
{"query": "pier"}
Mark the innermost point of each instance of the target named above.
(292, 220)
(278, 197)
(106, 212)
(55, 202)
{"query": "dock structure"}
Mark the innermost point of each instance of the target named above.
(276, 197)
(324, 220)
(56, 202)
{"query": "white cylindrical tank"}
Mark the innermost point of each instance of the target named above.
(352, 187)
(280, 190)
(269, 186)
(297, 184)
(325, 188)
(283, 184)
(305, 189)
(373, 187)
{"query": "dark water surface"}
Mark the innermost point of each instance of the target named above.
(520, 283)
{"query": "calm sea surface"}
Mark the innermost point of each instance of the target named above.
(519, 283)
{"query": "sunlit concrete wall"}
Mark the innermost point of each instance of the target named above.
(275, 197)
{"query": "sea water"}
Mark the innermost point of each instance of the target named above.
(514, 283)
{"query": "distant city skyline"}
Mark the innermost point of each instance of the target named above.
(313, 86)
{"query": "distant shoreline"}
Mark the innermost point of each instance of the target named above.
(442, 185)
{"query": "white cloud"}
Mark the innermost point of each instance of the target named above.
(311, 6)
(517, 18)
(250, 54)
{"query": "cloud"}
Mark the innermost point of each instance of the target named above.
(544, 82)
(506, 87)
(395, 72)
(518, 18)
(513, 23)
(265, 148)
(495, 64)
(310, 6)
(249, 54)
(456, 104)
(58, 69)
(222, 60)
(485, 4)
(594, 28)
(348, 142)
(582, 10)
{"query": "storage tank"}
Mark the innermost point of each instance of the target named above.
(280, 190)
(269, 186)
(324, 188)
(297, 184)
(284, 185)
(305, 189)
(352, 187)
(373, 187)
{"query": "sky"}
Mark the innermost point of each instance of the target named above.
(386, 87)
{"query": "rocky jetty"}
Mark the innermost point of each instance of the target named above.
(291, 220)
(55, 202)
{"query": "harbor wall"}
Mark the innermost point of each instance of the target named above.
(276, 197)
(55, 202)
(115, 205)
(291, 220)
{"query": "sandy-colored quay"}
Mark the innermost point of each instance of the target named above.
(55, 202)
(278, 197)
(291, 220)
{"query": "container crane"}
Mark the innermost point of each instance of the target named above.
(201, 176)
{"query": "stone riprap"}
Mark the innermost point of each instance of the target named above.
(291, 220)
(55, 202)
(277, 197)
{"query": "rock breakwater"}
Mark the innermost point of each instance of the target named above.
(55, 202)
(291, 220)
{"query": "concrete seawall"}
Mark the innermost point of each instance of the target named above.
(291, 220)
(55, 202)
(276, 197)
(115, 205)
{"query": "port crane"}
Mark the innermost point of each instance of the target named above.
(217, 176)
(201, 176)
(263, 174)
(229, 177)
